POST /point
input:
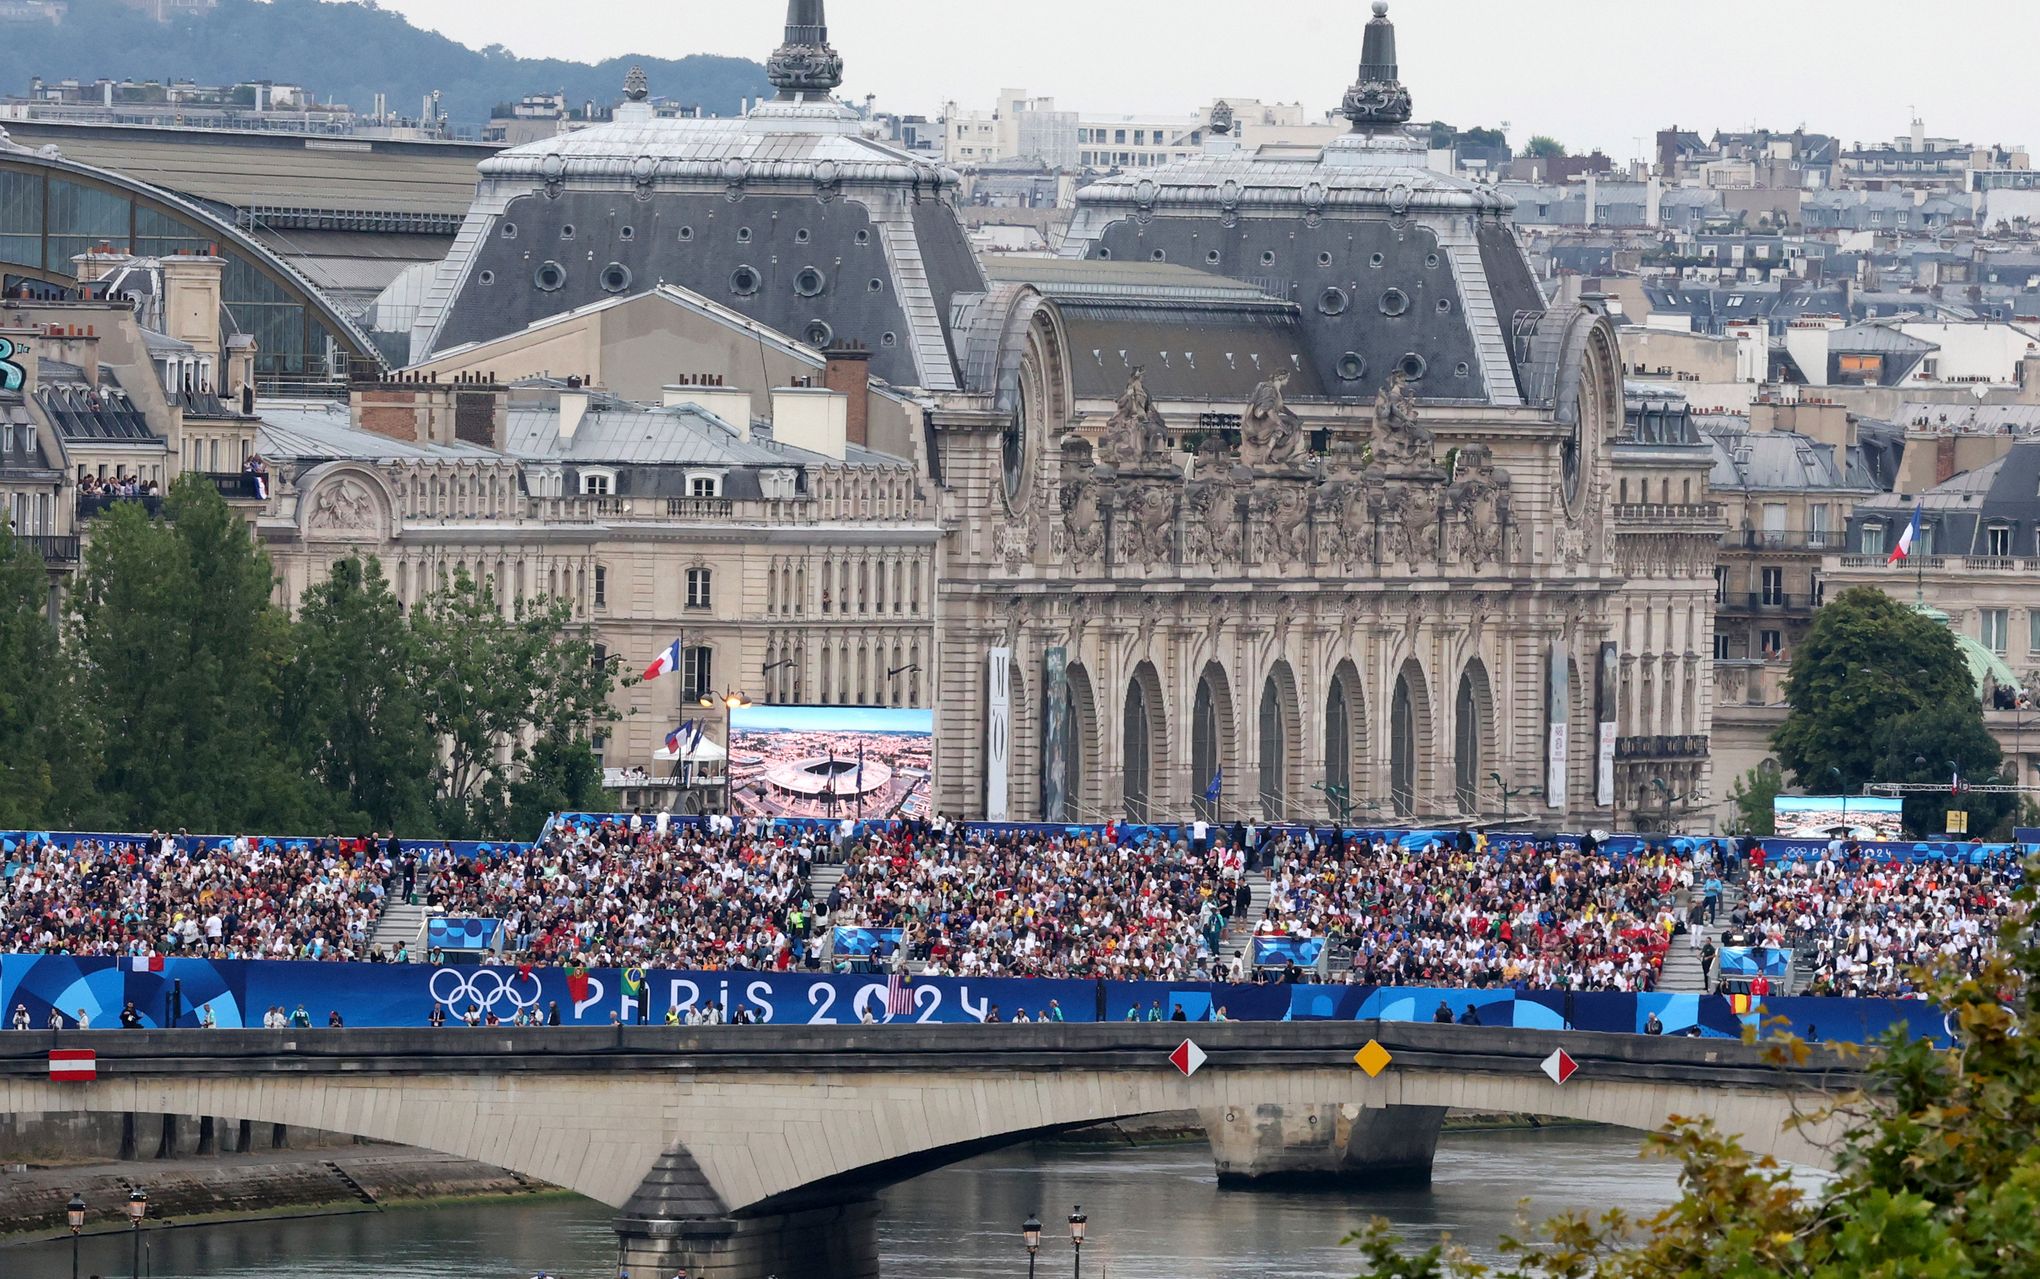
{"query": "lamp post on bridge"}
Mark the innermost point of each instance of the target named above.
(74, 1213)
(138, 1208)
(729, 701)
(1030, 1234)
(1077, 1223)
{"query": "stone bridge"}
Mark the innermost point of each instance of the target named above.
(744, 1152)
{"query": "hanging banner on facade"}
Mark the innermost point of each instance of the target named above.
(998, 733)
(1606, 699)
(1559, 713)
(1055, 731)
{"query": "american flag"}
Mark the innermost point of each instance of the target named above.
(899, 999)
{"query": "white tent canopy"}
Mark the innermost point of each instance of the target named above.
(702, 752)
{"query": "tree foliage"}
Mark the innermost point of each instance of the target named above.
(37, 729)
(182, 695)
(346, 53)
(1937, 744)
(1544, 147)
(1937, 1174)
(1869, 661)
(491, 684)
(1751, 795)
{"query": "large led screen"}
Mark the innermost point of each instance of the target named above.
(831, 761)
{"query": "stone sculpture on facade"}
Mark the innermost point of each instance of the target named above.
(1137, 433)
(343, 506)
(1083, 523)
(1412, 511)
(1400, 442)
(1147, 522)
(1479, 497)
(1271, 434)
(1285, 534)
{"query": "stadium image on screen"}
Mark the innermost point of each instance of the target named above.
(830, 761)
(1852, 816)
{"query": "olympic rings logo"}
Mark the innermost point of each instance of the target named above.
(484, 988)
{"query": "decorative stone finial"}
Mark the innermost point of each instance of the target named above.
(804, 64)
(1378, 99)
(635, 87)
(1222, 118)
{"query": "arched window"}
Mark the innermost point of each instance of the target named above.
(1338, 750)
(1204, 763)
(1402, 750)
(1139, 734)
(1274, 752)
(1467, 764)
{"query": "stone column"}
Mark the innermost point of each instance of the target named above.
(1257, 1147)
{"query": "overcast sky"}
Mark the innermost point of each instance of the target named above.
(1590, 72)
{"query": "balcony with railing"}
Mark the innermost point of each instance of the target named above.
(91, 504)
(1781, 602)
(235, 486)
(1749, 681)
(58, 550)
(1814, 541)
(1659, 748)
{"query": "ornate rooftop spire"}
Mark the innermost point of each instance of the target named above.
(1378, 99)
(635, 86)
(805, 65)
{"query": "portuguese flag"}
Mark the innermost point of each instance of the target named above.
(577, 983)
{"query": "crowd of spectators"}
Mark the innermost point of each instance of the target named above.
(1459, 911)
(1861, 925)
(1039, 904)
(171, 895)
(642, 894)
(117, 487)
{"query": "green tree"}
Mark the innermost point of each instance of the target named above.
(353, 709)
(1936, 744)
(1868, 661)
(493, 684)
(564, 776)
(38, 731)
(1752, 794)
(179, 649)
(1544, 147)
(1937, 1174)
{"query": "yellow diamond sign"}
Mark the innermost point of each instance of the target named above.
(1373, 1058)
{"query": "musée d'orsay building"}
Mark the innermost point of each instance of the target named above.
(1280, 492)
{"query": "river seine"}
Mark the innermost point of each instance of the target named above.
(1155, 1213)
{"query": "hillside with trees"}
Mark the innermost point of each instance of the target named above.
(344, 53)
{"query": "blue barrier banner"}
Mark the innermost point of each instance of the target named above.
(1748, 961)
(1932, 850)
(239, 992)
(67, 840)
(447, 932)
(863, 942)
(1281, 952)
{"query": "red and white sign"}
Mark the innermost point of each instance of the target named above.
(1187, 1058)
(1560, 1066)
(73, 1065)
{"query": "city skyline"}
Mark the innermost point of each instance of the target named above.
(1593, 73)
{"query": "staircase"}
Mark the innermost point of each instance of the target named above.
(1239, 930)
(401, 921)
(1682, 974)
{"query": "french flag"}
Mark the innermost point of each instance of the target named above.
(145, 963)
(1905, 539)
(73, 1065)
(665, 663)
(673, 739)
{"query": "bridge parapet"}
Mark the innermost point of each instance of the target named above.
(745, 1151)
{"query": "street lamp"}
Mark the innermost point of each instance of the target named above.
(1508, 793)
(1842, 787)
(1030, 1234)
(75, 1214)
(138, 1208)
(1077, 1222)
(729, 701)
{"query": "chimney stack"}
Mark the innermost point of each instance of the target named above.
(846, 369)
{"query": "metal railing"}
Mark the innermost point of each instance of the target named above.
(1761, 539)
(91, 504)
(57, 550)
